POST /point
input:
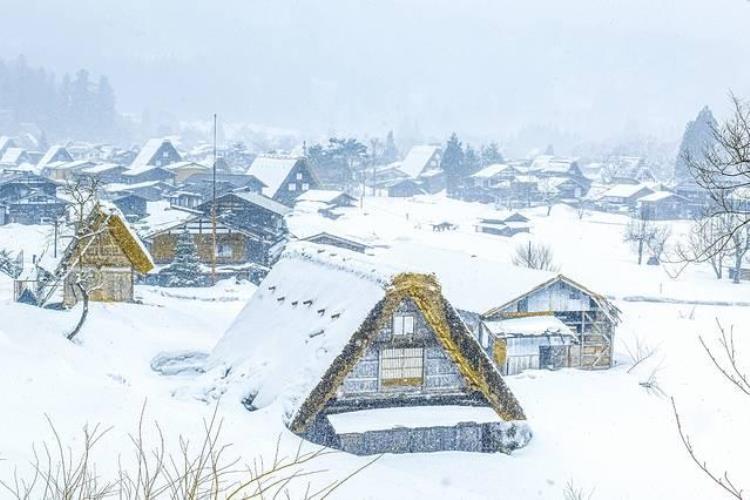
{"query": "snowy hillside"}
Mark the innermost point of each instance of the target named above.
(602, 431)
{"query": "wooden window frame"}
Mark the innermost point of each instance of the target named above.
(401, 367)
(399, 323)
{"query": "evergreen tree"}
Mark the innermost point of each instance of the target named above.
(452, 164)
(186, 269)
(698, 136)
(472, 162)
(105, 115)
(491, 154)
(390, 151)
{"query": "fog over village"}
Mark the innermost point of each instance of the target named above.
(374, 250)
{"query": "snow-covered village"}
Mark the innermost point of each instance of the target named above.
(374, 250)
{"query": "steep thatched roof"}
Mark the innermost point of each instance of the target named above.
(461, 347)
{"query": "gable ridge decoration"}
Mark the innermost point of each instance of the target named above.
(460, 346)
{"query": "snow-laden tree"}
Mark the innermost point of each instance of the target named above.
(452, 163)
(472, 161)
(491, 154)
(390, 150)
(9, 264)
(185, 271)
(699, 135)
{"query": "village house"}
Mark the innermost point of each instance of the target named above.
(284, 177)
(105, 259)
(132, 206)
(250, 230)
(335, 240)
(327, 203)
(55, 154)
(422, 165)
(508, 226)
(107, 173)
(64, 171)
(182, 170)
(151, 190)
(558, 323)
(623, 197)
(661, 205)
(6, 143)
(156, 153)
(366, 360)
(148, 173)
(27, 198)
(13, 157)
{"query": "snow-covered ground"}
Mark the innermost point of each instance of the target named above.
(602, 431)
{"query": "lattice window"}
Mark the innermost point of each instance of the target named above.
(403, 324)
(402, 366)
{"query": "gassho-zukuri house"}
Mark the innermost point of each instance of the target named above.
(367, 361)
(374, 358)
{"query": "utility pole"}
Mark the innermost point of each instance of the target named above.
(213, 211)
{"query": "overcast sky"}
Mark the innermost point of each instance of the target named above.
(487, 68)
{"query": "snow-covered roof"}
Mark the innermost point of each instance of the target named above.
(282, 339)
(146, 155)
(624, 190)
(552, 164)
(117, 187)
(51, 153)
(417, 160)
(658, 196)
(271, 170)
(161, 215)
(12, 155)
(300, 323)
(187, 164)
(262, 201)
(142, 169)
(101, 168)
(320, 196)
(491, 170)
(529, 326)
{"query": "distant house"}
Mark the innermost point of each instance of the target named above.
(537, 343)
(109, 260)
(185, 199)
(132, 206)
(107, 173)
(150, 190)
(55, 154)
(5, 143)
(184, 169)
(402, 188)
(367, 362)
(422, 164)
(284, 177)
(623, 196)
(662, 205)
(338, 241)
(156, 153)
(36, 207)
(509, 226)
(15, 157)
(234, 245)
(326, 202)
(492, 175)
(66, 170)
(15, 185)
(148, 173)
(697, 197)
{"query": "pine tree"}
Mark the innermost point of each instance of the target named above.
(390, 151)
(698, 135)
(472, 162)
(491, 154)
(452, 164)
(186, 269)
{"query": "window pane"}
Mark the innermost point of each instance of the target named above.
(401, 366)
(408, 324)
(398, 325)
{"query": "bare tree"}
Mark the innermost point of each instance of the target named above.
(703, 233)
(723, 170)
(534, 256)
(639, 232)
(657, 244)
(727, 361)
(204, 471)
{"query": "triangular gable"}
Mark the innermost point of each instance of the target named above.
(606, 306)
(459, 345)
